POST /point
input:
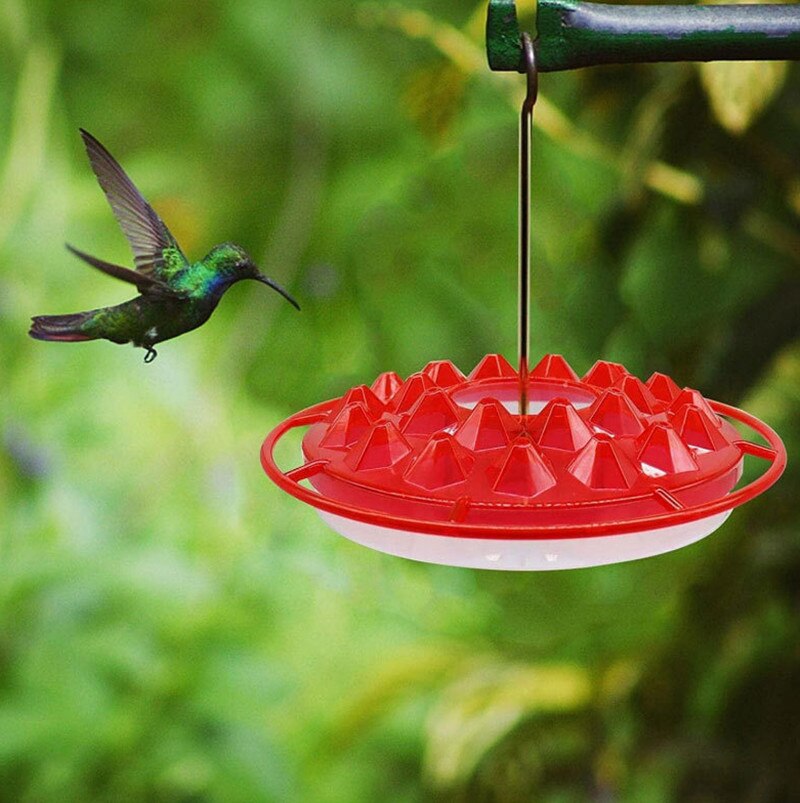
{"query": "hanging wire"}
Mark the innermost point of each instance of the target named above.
(525, 131)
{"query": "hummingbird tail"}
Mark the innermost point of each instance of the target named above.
(66, 328)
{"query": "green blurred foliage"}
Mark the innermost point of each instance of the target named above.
(171, 626)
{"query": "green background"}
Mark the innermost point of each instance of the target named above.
(174, 628)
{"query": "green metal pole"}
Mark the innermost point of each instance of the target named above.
(574, 34)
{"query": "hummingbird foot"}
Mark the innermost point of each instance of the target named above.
(151, 354)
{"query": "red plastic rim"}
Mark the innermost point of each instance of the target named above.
(607, 454)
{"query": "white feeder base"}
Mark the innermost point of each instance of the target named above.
(524, 555)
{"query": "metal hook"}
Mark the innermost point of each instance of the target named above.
(524, 291)
(531, 69)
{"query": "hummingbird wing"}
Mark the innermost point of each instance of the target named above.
(145, 283)
(146, 232)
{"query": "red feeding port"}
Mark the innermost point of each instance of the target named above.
(604, 374)
(554, 366)
(432, 413)
(492, 366)
(350, 424)
(663, 388)
(409, 392)
(442, 468)
(386, 385)
(616, 414)
(486, 427)
(661, 449)
(604, 466)
(525, 471)
(440, 464)
(641, 396)
(560, 426)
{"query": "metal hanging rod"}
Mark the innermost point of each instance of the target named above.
(524, 287)
(572, 34)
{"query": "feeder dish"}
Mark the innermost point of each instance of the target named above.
(603, 469)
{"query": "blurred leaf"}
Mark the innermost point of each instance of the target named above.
(400, 676)
(485, 704)
(25, 154)
(434, 98)
(739, 92)
(645, 141)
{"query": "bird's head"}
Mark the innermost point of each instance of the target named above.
(234, 263)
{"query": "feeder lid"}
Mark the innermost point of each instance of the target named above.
(441, 467)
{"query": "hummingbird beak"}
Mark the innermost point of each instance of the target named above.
(275, 286)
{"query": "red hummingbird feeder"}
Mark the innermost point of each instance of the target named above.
(442, 468)
(524, 468)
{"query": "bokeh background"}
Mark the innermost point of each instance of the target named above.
(174, 628)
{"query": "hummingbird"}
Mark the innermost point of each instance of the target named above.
(175, 296)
